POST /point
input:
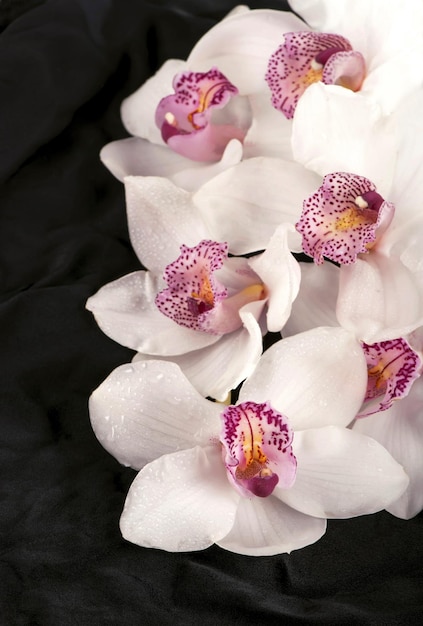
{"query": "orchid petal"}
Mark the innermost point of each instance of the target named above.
(316, 301)
(407, 186)
(193, 293)
(138, 110)
(238, 10)
(161, 217)
(125, 310)
(139, 157)
(180, 502)
(236, 274)
(326, 113)
(145, 409)
(241, 45)
(308, 57)
(392, 367)
(341, 473)
(385, 53)
(231, 202)
(379, 298)
(270, 132)
(343, 218)
(216, 369)
(304, 377)
(267, 526)
(193, 177)
(199, 118)
(281, 274)
(405, 65)
(257, 449)
(400, 431)
(321, 14)
(390, 26)
(404, 240)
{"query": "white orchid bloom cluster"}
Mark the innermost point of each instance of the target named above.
(279, 135)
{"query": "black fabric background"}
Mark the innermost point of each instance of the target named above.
(65, 66)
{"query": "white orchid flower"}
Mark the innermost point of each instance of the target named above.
(390, 45)
(400, 430)
(195, 118)
(392, 411)
(260, 477)
(378, 246)
(195, 306)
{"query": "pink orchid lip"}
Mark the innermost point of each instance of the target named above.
(308, 57)
(196, 299)
(257, 449)
(393, 366)
(345, 217)
(185, 117)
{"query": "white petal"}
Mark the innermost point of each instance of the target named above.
(161, 217)
(407, 186)
(139, 157)
(319, 14)
(193, 177)
(400, 431)
(336, 130)
(146, 409)
(126, 311)
(270, 132)
(405, 65)
(240, 8)
(139, 109)
(315, 304)
(381, 42)
(265, 526)
(271, 188)
(314, 378)
(216, 369)
(379, 298)
(404, 240)
(281, 274)
(387, 56)
(387, 25)
(241, 46)
(180, 502)
(341, 473)
(236, 274)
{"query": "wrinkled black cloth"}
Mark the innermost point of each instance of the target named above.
(65, 66)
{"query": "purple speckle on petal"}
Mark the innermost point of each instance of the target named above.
(392, 368)
(308, 57)
(188, 111)
(192, 289)
(340, 220)
(258, 452)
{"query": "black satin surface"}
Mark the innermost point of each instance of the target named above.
(65, 66)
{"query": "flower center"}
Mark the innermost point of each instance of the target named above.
(307, 57)
(203, 300)
(257, 449)
(343, 218)
(210, 96)
(196, 299)
(187, 112)
(392, 367)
